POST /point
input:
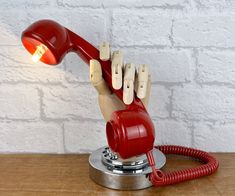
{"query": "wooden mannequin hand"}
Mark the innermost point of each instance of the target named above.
(123, 76)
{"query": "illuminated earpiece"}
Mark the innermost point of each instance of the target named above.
(40, 51)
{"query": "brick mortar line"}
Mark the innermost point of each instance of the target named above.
(143, 47)
(156, 83)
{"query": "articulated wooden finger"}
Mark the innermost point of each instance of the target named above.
(97, 79)
(104, 51)
(145, 100)
(142, 82)
(117, 64)
(128, 85)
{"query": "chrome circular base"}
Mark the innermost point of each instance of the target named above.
(108, 170)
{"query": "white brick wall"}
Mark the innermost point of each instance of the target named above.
(31, 137)
(204, 103)
(204, 31)
(19, 102)
(141, 28)
(84, 136)
(216, 66)
(188, 44)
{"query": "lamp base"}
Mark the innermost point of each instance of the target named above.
(108, 170)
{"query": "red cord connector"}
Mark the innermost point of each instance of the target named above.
(158, 178)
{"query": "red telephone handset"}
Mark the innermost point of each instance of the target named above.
(130, 132)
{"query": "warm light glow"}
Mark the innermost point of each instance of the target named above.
(40, 51)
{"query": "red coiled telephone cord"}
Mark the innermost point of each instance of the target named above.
(158, 178)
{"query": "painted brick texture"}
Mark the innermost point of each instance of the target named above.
(188, 45)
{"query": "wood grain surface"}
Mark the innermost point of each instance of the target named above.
(49, 175)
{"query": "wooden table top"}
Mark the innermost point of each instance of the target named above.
(50, 175)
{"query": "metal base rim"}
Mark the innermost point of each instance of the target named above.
(121, 181)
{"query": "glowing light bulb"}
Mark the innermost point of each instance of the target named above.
(39, 52)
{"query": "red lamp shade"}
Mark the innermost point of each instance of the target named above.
(52, 35)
